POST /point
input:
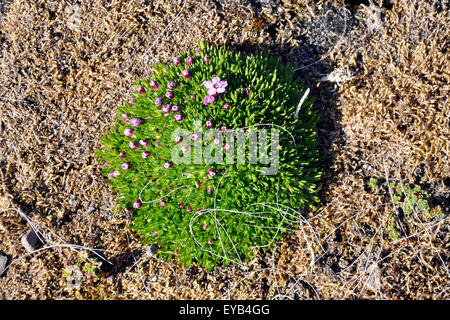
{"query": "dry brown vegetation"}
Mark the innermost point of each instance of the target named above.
(66, 66)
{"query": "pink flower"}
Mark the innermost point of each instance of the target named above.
(204, 226)
(142, 90)
(189, 61)
(128, 132)
(178, 139)
(106, 164)
(137, 204)
(172, 85)
(168, 165)
(133, 145)
(169, 95)
(227, 146)
(216, 141)
(158, 144)
(155, 234)
(143, 143)
(186, 74)
(208, 189)
(136, 122)
(215, 86)
(166, 108)
(193, 96)
(181, 204)
(211, 173)
(223, 129)
(126, 165)
(208, 100)
(113, 174)
(177, 61)
(185, 149)
(194, 136)
(226, 106)
(162, 203)
(207, 59)
(145, 154)
(158, 101)
(197, 52)
(122, 154)
(208, 124)
(210, 242)
(248, 90)
(189, 208)
(170, 187)
(178, 117)
(125, 117)
(175, 108)
(154, 85)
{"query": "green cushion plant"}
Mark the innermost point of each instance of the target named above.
(216, 211)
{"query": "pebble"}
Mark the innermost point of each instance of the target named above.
(31, 241)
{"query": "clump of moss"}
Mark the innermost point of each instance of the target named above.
(173, 157)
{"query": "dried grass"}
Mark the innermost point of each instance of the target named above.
(64, 70)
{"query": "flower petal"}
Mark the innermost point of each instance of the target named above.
(208, 84)
(216, 80)
(212, 91)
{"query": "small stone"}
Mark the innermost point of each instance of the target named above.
(3, 261)
(31, 241)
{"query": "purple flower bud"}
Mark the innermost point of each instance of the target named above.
(211, 172)
(176, 61)
(175, 108)
(128, 132)
(193, 96)
(178, 117)
(166, 108)
(137, 204)
(248, 90)
(223, 129)
(208, 124)
(126, 165)
(178, 139)
(168, 165)
(189, 208)
(136, 122)
(154, 85)
(169, 95)
(122, 154)
(204, 226)
(227, 146)
(133, 145)
(162, 203)
(158, 144)
(181, 204)
(145, 154)
(125, 117)
(158, 101)
(189, 61)
(216, 141)
(155, 234)
(185, 149)
(172, 85)
(226, 106)
(142, 90)
(194, 136)
(208, 189)
(113, 174)
(143, 143)
(171, 188)
(207, 59)
(186, 73)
